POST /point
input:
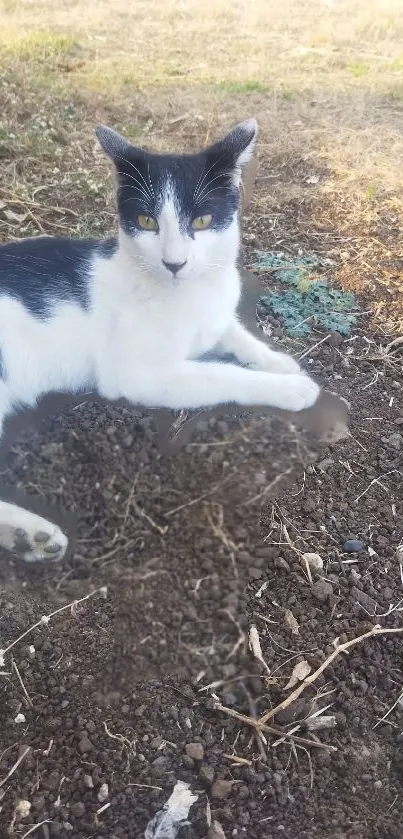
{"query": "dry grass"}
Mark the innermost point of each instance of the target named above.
(325, 80)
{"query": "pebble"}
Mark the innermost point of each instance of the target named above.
(314, 561)
(206, 774)
(221, 789)
(353, 546)
(321, 590)
(395, 440)
(88, 782)
(160, 766)
(85, 745)
(195, 751)
(103, 793)
(78, 809)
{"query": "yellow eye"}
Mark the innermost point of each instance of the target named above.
(202, 222)
(147, 223)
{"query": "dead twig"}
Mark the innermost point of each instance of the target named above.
(16, 765)
(376, 630)
(270, 729)
(35, 827)
(25, 692)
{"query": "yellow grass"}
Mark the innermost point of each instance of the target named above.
(323, 77)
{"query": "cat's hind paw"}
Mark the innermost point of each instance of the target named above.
(35, 539)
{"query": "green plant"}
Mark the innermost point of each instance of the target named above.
(308, 301)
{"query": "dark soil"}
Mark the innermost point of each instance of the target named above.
(117, 686)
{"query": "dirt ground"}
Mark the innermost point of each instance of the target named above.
(145, 676)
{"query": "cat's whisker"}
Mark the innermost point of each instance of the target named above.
(129, 163)
(139, 188)
(211, 181)
(149, 180)
(204, 176)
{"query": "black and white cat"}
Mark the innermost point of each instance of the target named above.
(130, 317)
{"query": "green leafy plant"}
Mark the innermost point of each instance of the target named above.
(308, 301)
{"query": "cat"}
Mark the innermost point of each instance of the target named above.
(131, 317)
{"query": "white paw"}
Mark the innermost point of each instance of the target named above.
(49, 543)
(29, 536)
(296, 393)
(278, 362)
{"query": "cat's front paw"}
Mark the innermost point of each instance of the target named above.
(297, 393)
(278, 362)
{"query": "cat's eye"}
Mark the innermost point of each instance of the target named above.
(147, 222)
(202, 222)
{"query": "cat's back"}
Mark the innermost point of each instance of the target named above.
(41, 272)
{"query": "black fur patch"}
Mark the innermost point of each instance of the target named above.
(199, 184)
(45, 271)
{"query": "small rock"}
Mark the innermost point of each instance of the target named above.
(160, 766)
(221, 789)
(321, 590)
(282, 563)
(85, 745)
(395, 440)
(140, 711)
(103, 793)
(353, 546)
(314, 561)
(23, 808)
(195, 751)
(206, 774)
(88, 782)
(378, 784)
(355, 577)
(325, 464)
(78, 809)
(367, 602)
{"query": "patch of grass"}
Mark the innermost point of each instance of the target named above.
(358, 69)
(247, 86)
(370, 192)
(38, 46)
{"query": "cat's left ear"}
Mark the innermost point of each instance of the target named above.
(115, 146)
(236, 148)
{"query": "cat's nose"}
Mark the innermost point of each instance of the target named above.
(174, 267)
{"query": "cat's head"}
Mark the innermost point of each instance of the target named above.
(179, 213)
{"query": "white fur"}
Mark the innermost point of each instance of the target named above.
(140, 340)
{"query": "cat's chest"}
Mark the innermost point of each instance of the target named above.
(202, 315)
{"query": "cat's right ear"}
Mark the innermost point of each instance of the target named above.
(112, 143)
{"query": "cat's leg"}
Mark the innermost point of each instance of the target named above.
(250, 350)
(26, 534)
(193, 385)
(32, 537)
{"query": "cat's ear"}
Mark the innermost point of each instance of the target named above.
(115, 146)
(241, 141)
(236, 148)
